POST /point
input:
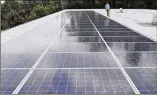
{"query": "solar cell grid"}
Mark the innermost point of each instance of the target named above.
(127, 39)
(75, 39)
(10, 79)
(129, 44)
(81, 33)
(110, 26)
(138, 59)
(79, 61)
(78, 26)
(145, 79)
(76, 81)
(132, 46)
(73, 31)
(120, 34)
(18, 60)
(80, 29)
(78, 47)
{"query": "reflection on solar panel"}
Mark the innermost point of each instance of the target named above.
(90, 54)
(77, 60)
(18, 60)
(145, 79)
(10, 79)
(73, 81)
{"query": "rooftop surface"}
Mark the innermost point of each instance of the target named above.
(81, 52)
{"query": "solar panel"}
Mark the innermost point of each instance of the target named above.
(75, 39)
(126, 39)
(132, 46)
(138, 59)
(91, 34)
(145, 79)
(119, 34)
(61, 81)
(91, 55)
(78, 47)
(18, 60)
(10, 79)
(77, 60)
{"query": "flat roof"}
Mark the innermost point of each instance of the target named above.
(78, 52)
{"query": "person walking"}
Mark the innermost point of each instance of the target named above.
(107, 7)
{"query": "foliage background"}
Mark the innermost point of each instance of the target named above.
(16, 12)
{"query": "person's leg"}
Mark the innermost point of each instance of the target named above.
(107, 12)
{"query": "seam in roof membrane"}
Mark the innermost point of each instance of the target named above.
(117, 61)
(38, 61)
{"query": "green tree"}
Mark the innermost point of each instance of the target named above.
(154, 4)
(10, 14)
(49, 9)
(14, 5)
(32, 16)
(14, 18)
(53, 6)
(139, 4)
(39, 11)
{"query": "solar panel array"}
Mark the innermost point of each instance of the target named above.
(90, 55)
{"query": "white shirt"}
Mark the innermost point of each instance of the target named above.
(107, 6)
